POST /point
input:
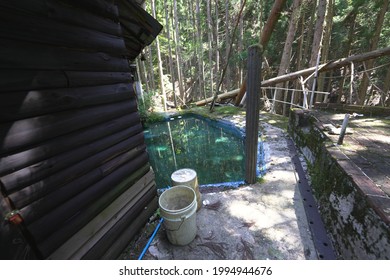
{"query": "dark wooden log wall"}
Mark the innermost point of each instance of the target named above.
(72, 155)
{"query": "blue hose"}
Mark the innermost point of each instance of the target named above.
(151, 239)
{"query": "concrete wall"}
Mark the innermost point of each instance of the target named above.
(348, 201)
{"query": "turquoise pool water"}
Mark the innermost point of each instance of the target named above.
(213, 149)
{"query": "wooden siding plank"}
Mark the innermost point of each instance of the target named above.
(14, 162)
(74, 186)
(35, 29)
(117, 229)
(89, 235)
(134, 224)
(14, 56)
(20, 79)
(53, 220)
(42, 177)
(86, 214)
(62, 12)
(25, 133)
(27, 104)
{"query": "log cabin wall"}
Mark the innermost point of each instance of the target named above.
(73, 163)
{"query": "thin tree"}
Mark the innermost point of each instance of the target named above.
(227, 59)
(171, 70)
(179, 62)
(210, 40)
(317, 43)
(286, 57)
(160, 67)
(264, 38)
(200, 51)
(373, 46)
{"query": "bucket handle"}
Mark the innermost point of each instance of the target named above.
(183, 218)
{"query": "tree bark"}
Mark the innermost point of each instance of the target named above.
(326, 45)
(271, 22)
(285, 61)
(160, 67)
(179, 62)
(374, 44)
(264, 38)
(210, 37)
(317, 40)
(171, 70)
(200, 51)
(227, 42)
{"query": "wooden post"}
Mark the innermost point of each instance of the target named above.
(252, 112)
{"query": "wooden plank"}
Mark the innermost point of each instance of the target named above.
(88, 212)
(62, 12)
(53, 221)
(73, 187)
(13, 55)
(19, 79)
(25, 133)
(14, 162)
(134, 226)
(252, 113)
(13, 245)
(103, 8)
(115, 232)
(41, 178)
(35, 29)
(89, 235)
(31, 103)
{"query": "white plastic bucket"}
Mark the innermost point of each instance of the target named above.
(187, 177)
(178, 208)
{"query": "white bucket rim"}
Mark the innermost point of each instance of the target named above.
(175, 176)
(178, 211)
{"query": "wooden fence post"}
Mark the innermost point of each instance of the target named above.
(252, 112)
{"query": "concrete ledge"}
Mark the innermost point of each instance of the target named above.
(356, 211)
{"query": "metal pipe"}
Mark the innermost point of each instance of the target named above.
(343, 130)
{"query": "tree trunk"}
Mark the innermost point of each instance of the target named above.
(240, 49)
(374, 44)
(142, 72)
(151, 69)
(171, 70)
(317, 40)
(200, 51)
(271, 22)
(227, 43)
(179, 61)
(386, 88)
(264, 38)
(210, 37)
(216, 36)
(285, 61)
(326, 45)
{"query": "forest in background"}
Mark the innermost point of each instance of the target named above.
(203, 48)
